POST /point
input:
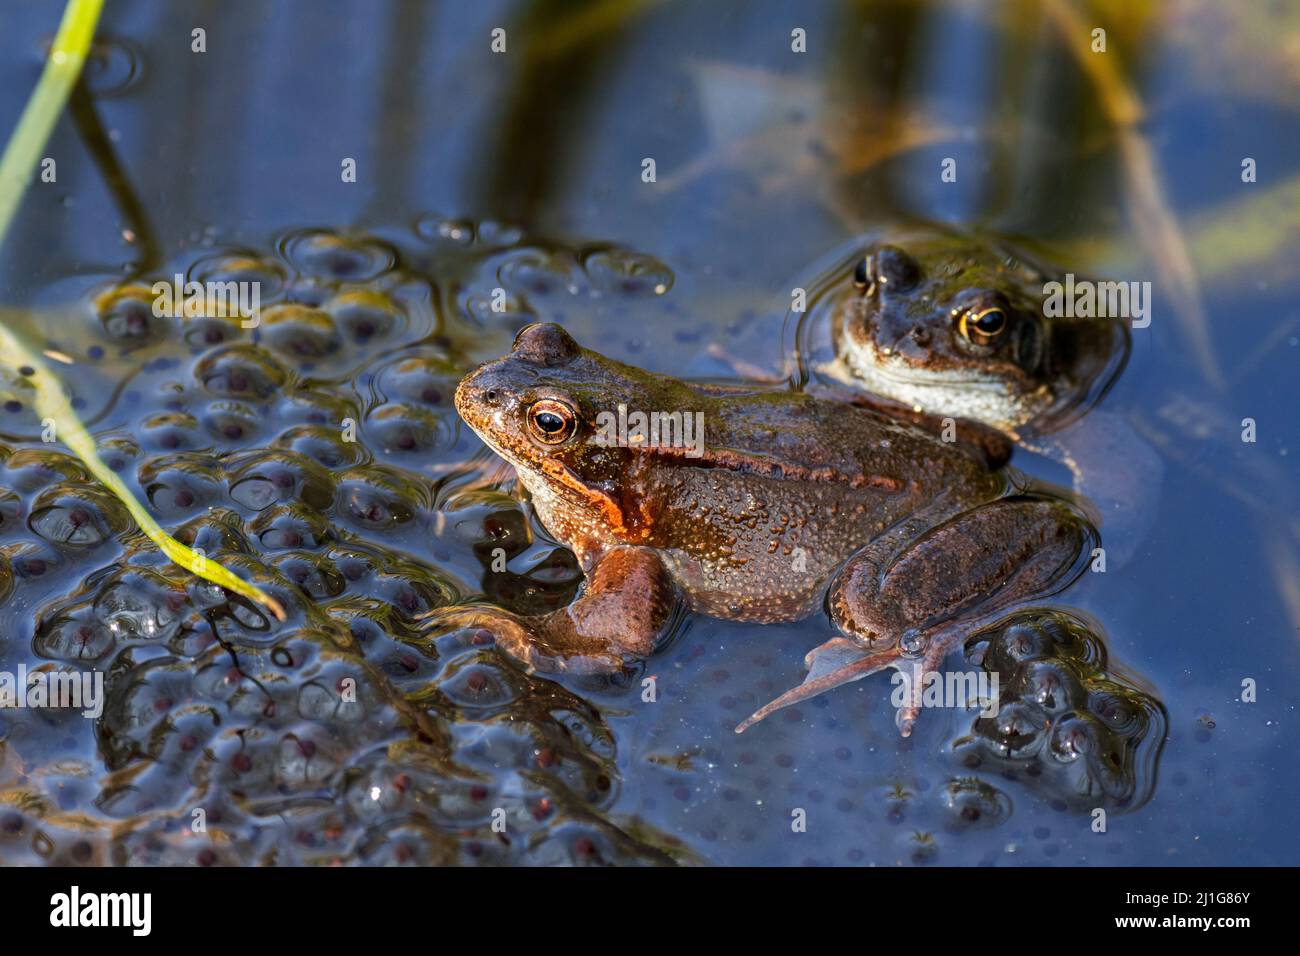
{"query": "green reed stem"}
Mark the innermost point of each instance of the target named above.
(67, 56)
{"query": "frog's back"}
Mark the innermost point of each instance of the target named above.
(804, 437)
(788, 488)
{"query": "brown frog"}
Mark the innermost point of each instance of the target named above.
(790, 503)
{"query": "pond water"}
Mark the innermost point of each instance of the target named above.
(524, 170)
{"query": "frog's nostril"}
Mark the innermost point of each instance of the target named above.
(921, 335)
(490, 394)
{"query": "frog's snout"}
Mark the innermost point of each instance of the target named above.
(475, 393)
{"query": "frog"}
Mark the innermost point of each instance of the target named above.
(955, 324)
(792, 505)
(940, 325)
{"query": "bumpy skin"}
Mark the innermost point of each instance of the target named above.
(787, 494)
(899, 334)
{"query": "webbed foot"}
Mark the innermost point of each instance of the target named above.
(838, 661)
(525, 642)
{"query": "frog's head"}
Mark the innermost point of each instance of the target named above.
(544, 408)
(955, 326)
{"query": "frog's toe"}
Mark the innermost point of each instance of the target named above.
(485, 626)
(923, 654)
(444, 620)
(539, 644)
(838, 661)
(905, 719)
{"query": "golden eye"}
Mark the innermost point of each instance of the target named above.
(984, 326)
(551, 421)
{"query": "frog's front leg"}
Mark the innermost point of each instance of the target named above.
(906, 605)
(628, 599)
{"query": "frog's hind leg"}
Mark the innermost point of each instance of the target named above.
(838, 661)
(922, 598)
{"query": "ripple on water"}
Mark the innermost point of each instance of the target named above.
(113, 67)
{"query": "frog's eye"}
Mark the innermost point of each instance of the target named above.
(552, 421)
(896, 270)
(983, 326)
(888, 269)
(862, 274)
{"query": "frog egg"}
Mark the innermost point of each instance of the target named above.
(365, 316)
(629, 273)
(76, 517)
(140, 605)
(322, 444)
(300, 331)
(971, 802)
(1049, 685)
(243, 267)
(241, 371)
(398, 429)
(1017, 730)
(324, 254)
(127, 315)
(73, 637)
(373, 501)
(172, 431)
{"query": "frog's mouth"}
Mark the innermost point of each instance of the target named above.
(473, 411)
(499, 450)
(959, 392)
(1080, 363)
